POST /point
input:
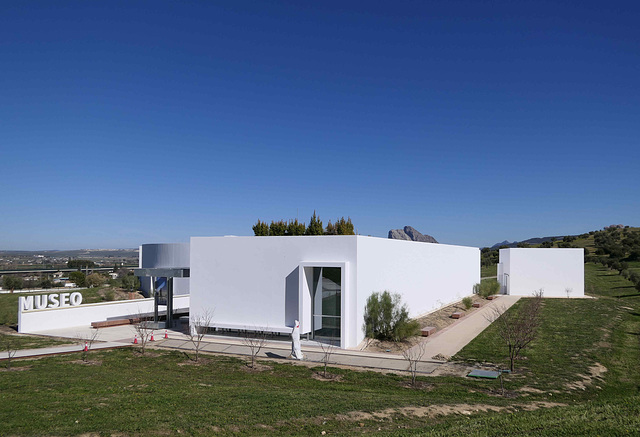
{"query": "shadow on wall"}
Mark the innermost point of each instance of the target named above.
(291, 297)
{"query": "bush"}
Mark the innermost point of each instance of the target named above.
(487, 288)
(467, 302)
(110, 296)
(12, 282)
(46, 283)
(78, 278)
(386, 318)
(130, 283)
(94, 280)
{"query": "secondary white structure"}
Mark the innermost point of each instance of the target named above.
(266, 283)
(522, 271)
(165, 255)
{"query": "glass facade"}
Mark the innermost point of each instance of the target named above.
(327, 304)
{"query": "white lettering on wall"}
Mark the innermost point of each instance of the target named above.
(42, 301)
(26, 303)
(76, 298)
(53, 301)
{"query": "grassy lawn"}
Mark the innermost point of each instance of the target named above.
(488, 271)
(29, 341)
(583, 367)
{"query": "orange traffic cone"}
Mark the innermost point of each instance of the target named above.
(86, 348)
(135, 339)
(166, 335)
(152, 336)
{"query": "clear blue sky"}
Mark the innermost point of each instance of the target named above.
(124, 123)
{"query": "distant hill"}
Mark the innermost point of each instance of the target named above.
(536, 240)
(75, 253)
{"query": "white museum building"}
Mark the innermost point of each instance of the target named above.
(266, 283)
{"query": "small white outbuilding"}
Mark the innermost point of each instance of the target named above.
(556, 272)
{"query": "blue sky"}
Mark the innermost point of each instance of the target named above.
(124, 123)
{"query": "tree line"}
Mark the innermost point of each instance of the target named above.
(294, 227)
(615, 248)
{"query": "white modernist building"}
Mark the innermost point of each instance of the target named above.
(557, 272)
(164, 255)
(266, 283)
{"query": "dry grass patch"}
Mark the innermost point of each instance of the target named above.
(330, 377)
(595, 371)
(434, 411)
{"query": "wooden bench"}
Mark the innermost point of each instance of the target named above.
(457, 315)
(494, 296)
(428, 330)
(117, 322)
(476, 305)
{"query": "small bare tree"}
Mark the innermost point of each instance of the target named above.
(10, 344)
(198, 326)
(413, 356)
(255, 340)
(518, 327)
(327, 350)
(568, 290)
(143, 330)
(86, 341)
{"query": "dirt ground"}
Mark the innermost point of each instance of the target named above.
(119, 293)
(440, 319)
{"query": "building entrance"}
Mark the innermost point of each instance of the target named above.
(326, 305)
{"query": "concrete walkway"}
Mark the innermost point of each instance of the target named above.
(444, 343)
(454, 337)
(314, 354)
(54, 350)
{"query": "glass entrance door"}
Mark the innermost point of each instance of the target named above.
(327, 304)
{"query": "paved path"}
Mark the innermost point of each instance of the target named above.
(281, 350)
(446, 342)
(454, 337)
(53, 350)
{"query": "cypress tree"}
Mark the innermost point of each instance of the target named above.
(315, 226)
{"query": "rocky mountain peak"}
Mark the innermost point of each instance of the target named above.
(411, 234)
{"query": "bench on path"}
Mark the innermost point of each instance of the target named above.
(428, 330)
(117, 322)
(457, 315)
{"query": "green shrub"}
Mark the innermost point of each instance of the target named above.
(109, 296)
(487, 288)
(467, 302)
(78, 278)
(386, 318)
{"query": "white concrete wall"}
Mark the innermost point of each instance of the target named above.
(258, 281)
(552, 270)
(426, 275)
(83, 315)
(254, 281)
(165, 255)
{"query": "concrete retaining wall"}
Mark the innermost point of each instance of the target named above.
(83, 315)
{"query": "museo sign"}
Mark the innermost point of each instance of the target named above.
(40, 302)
